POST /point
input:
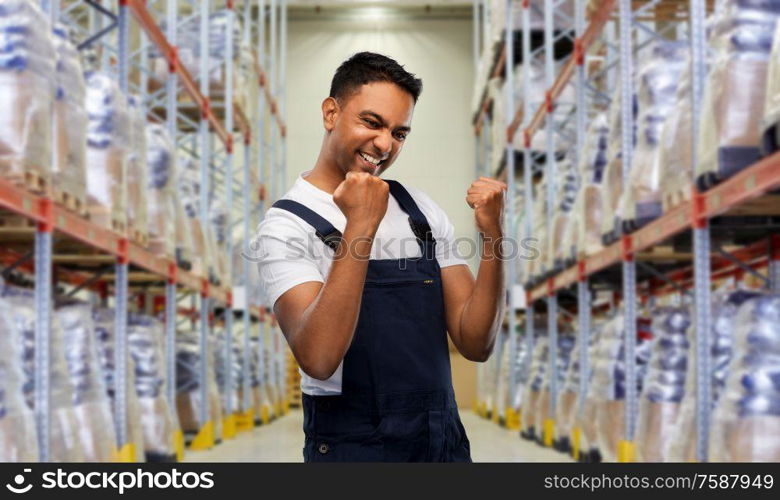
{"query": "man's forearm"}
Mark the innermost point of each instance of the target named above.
(483, 312)
(328, 324)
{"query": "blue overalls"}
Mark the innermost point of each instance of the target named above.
(397, 403)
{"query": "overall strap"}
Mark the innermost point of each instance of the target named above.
(324, 229)
(417, 220)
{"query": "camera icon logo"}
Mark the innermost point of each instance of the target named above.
(19, 480)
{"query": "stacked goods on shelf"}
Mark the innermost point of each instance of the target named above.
(561, 243)
(664, 386)
(218, 217)
(221, 370)
(69, 177)
(161, 192)
(538, 266)
(585, 418)
(18, 435)
(188, 53)
(64, 424)
(612, 177)
(566, 406)
(522, 364)
(544, 415)
(658, 75)
(746, 421)
(770, 122)
(260, 396)
(532, 390)
(158, 420)
(91, 405)
(725, 303)
(188, 359)
(587, 210)
(137, 189)
(103, 321)
(27, 76)
(735, 92)
(108, 140)
(188, 187)
(609, 381)
(675, 156)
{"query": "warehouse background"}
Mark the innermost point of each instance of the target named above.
(142, 142)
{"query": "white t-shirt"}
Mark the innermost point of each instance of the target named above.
(289, 253)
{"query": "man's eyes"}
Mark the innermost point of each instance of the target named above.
(374, 124)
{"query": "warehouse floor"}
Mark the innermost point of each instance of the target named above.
(282, 440)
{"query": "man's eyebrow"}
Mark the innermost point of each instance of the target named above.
(381, 120)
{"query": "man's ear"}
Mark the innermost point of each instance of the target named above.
(330, 113)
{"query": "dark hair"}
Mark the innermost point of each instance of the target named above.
(367, 67)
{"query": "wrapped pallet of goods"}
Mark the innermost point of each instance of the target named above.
(725, 303)
(584, 419)
(587, 210)
(69, 177)
(18, 435)
(64, 445)
(160, 195)
(664, 387)
(137, 169)
(91, 403)
(532, 390)
(221, 369)
(521, 371)
(675, 158)
(658, 75)
(188, 359)
(561, 243)
(103, 322)
(108, 140)
(770, 121)
(735, 92)
(746, 421)
(27, 76)
(188, 188)
(220, 233)
(158, 420)
(545, 418)
(612, 177)
(609, 381)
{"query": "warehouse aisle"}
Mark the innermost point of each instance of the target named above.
(282, 440)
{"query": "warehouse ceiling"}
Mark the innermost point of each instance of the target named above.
(378, 9)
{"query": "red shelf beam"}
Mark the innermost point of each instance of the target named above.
(754, 181)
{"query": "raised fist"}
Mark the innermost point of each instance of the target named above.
(362, 198)
(486, 197)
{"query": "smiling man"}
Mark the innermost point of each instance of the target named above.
(366, 284)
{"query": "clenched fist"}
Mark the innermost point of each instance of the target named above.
(362, 198)
(486, 197)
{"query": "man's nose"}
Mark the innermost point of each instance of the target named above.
(383, 142)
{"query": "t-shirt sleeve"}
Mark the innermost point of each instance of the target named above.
(283, 258)
(443, 231)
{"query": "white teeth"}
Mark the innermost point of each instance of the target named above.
(369, 159)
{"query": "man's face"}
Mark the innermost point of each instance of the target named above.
(369, 127)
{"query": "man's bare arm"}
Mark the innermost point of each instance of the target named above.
(474, 309)
(319, 319)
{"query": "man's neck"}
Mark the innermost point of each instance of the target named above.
(325, 175)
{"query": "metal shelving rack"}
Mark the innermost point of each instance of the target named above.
(210, 139)
(634, 23)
